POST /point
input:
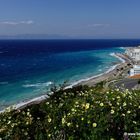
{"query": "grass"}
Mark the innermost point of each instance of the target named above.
(80, 113)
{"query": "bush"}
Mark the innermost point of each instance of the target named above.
(139, 81)
(80, 113)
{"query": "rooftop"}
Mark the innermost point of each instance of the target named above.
(137, 76)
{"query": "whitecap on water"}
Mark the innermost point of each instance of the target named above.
(100, 70)
(2, 64)
(123, 48)
(113, 54)
(38, 85)
(3, 83)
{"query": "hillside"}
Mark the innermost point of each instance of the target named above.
(86, 113)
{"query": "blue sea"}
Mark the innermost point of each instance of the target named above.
(28, 68)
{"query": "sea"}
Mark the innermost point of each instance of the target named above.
(29, 68)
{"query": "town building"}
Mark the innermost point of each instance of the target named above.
(135, 70)
(134, 53)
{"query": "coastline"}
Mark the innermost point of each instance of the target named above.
(104, 75)
(87, 81)
(109, 74)
(93, 77)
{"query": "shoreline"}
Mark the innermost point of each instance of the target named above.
(110, 73)
(101, 74)
(92, 77)
(87, 81)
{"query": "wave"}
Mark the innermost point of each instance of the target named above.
(24, 103)
(3, 83)
(38, 85)
(113, 54)
(100, 70)
(123, 48)
(3, 52)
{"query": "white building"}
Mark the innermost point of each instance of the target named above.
(135, 70)
(134, 53)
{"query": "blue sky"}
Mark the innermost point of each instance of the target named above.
(72, 18)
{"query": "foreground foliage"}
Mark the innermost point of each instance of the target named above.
(86, 113)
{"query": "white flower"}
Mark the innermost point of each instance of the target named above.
(123, 115)
(9, 122)
(28, 113)
(72, 109)
(47, 103)
(118, 97)
(118, 103)
(82, 118)
(63, 120)
(126, 90)
(68, 114)
(49, 135)
(117, 89)
(49, 120)
(124, 104)
(124, 94)
(68, 124)
(76, 103)
(101, 104)
(128, 111)
(87, 106)
(112, 111)
(94, 124)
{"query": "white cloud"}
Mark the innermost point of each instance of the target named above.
(28, 22)
(98, 25)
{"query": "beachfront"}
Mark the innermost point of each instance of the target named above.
(120, 70)
(116, 72)
(71, 109)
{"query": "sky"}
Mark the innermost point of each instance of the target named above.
(71, 18)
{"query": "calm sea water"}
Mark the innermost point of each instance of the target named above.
(29, 67)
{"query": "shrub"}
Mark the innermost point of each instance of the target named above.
(139, 81)
(80, 113)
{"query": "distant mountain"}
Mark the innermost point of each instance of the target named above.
(34, 36)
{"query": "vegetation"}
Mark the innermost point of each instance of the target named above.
(80, 113)
(139, 81)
